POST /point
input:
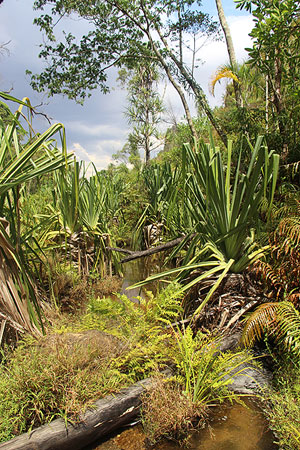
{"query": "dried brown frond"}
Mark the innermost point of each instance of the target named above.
(281, 272)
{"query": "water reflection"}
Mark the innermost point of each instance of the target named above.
(138, 270)
(235, 428)
(232, 428)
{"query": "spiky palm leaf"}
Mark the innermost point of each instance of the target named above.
(19, 163)
(222, 216)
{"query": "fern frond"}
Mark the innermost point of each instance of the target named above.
(267, 272)
(290, 227)
(261, 320)
(288, 319)
(281, 320)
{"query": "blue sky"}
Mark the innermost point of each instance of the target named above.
(98, 129)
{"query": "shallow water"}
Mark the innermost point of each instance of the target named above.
(137, 270)
(233, 427)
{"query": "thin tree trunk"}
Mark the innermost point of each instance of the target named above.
(147, 139)
(176, 86)
(278, 103)
(197, 90)
(230, 49)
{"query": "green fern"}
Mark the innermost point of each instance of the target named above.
(205, 372)
(280, 320)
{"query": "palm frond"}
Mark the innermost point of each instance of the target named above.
(222, 72)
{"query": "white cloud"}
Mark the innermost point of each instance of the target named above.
(215, 53)
(100, 155)
(95, 129)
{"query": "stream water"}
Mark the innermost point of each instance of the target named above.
(138, 270)
(234, 427)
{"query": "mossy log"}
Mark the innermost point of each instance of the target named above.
(107, 415)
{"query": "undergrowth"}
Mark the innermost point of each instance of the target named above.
(203, 375)
(282, 406)
(111, 346)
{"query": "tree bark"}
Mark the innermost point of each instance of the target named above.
(196, 89)
(108, 414)
(230, 49)
(150, 251)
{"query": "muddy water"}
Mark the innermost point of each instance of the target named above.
(137, 270)
(233, 428)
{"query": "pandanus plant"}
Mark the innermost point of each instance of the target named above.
(20, 162)
(82, 215)
(164, 201)
(223, 204)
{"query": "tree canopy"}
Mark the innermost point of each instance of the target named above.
(276, 54)
(123, 32)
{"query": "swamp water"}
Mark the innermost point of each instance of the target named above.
(233, 427)
(139, 269)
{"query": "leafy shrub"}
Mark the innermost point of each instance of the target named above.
(122, 314)
(203, 370)
(202, 377)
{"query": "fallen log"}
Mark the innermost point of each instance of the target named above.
(107, 415)
(241, 312)
(150, 251)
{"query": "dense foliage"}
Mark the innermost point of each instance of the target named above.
(228, 197)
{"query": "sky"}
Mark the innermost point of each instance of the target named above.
(99, 129)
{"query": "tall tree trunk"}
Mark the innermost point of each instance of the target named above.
(230, 50)
(175, 85)
(279, 105)
(195, 87)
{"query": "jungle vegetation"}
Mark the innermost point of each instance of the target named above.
(224, 190)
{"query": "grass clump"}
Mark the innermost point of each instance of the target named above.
(168, 413)
(282, 407)
(203, 376)
(56, 376)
